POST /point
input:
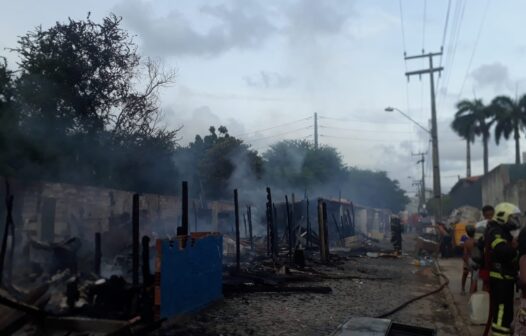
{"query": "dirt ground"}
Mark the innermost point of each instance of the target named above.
(320, 314)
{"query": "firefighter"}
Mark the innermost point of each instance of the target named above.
(502, 251)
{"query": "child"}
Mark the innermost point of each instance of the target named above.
(469, 245)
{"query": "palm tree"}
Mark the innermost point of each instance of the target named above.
(477, 114)
(510, 118)
(464, 126)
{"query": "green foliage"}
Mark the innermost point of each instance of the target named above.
(75, 113)
(474, 118)
(295, 164)
(218, 163)
(510, 118)
(375, 189)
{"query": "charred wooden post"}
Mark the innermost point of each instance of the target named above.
(146, 273)
(309, 243)
(8, 222)
(293, 220)
(195, 216)
(268, 213)
(275, 232)
(322, 232)
(289, 226)
(238, 247)
(98, 254)
(270, 223)
(337, 228)
(135, 240)
(245, 224)
(249, 215)
(325, 230)
(184, 214)
(9, 275)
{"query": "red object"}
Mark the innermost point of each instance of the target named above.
(484, 275)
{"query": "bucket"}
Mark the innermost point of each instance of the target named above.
(479, 307)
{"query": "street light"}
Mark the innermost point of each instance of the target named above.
(392, 109)
(437, 189)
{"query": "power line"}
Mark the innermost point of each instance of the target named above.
(358, 139)
(277, 135)
(483, 20)
(273, 127)
(424, 26)
(402, 26)
(358, 121)
(453, 40)
(362, 130)
(446, 24)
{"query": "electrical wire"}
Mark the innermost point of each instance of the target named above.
(482, 22)
(358, 121)
(273, 127)
(402, 26)
(358, 139)
(454, 38)
(277, 135)
(444, 33)
(424, 21)
(362, 130)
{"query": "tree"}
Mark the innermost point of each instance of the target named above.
(480, 116)
(86, 106)
(218, 163)
(374, 189)
(298, 165)
(8, 120)
(510, 118)
(464, 126)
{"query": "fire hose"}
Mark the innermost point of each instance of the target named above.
(406, 303)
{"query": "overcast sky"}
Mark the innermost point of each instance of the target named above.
(255, 65)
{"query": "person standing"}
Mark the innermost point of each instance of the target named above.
(487, 214)
(503, 266)
(445, 240)
(469, 267)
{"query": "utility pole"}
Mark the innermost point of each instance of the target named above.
(434, 132)
(423, 181)
(418, 184)
(316, 130)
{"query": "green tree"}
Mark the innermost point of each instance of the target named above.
(86, 104)
(465, 125)
(510, 118)
(218, 163)
(8, 119)
(298, 164)
(481, 117)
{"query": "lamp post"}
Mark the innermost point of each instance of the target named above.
(436, 163)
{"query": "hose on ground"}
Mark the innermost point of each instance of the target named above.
(405, 304)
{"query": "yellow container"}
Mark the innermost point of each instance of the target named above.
(460, 230)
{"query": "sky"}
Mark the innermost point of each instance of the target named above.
(264, 67)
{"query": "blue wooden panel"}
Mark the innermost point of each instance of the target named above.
(191, 278)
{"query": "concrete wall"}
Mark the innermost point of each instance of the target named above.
(467, 193)
(505, 184)
(493, 185)
(82, 210)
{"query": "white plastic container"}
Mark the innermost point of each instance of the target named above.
(479, 307)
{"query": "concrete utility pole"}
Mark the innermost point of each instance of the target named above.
(423, 181)
(316, 130)
(434, 133)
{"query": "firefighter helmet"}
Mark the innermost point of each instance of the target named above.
(507, 214)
